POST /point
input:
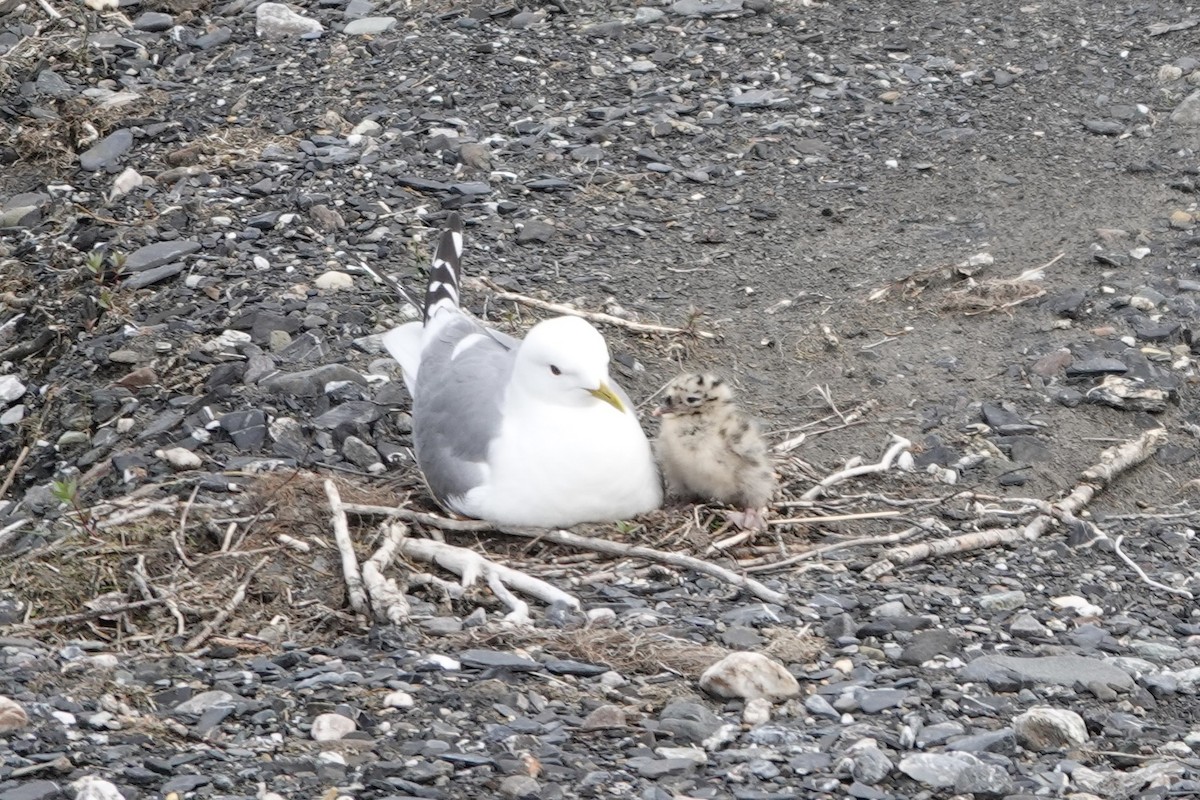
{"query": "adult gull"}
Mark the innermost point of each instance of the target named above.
(528, 432)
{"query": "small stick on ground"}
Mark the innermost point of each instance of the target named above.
(569, 539)
(90, 614)
(219, 619)
(12, 472)
(888, 538)
(1113, 463)
(1142, 573)
(591, 316)
(142, 579)
(341, 534)
(179, 536)
(10, 530)
(899, 445)
(52, 13)
(836, 518)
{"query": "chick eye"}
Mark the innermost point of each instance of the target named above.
(555, 370)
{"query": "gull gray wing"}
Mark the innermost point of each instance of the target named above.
(457, 410)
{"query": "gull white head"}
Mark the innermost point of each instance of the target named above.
(565, 361)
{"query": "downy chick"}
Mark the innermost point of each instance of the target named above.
(711, 450)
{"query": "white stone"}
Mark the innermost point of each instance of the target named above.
(179, 458)
(1043, 729)
(936, 769)
(331, 727)
(602, 615)
(261, 263)
(399, 700)
(1188, 678)
(126, 182)
(749, 675)
(445, 662)
(1187, 113)
(756, 712)
(12, 416)
(11, 388)
(204, 701)
(613, 680)
(277, 21)
(89, 787)
(12, 716)
(693, 754)
(1079, 605)
(368, 127)
(368, 26)
(227, 340)
(334, 281)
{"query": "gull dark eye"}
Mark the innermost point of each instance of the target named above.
(555, 370)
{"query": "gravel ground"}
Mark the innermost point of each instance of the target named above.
(970, 226)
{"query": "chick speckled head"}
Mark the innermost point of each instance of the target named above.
(693, 393)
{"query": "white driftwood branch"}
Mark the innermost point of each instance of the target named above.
(471, 566)
(591, 316)
(341, 534)
(568, 539)
(1113, 462)
(388, 603)
(898, 446)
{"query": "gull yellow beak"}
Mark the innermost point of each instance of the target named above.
(606, 394)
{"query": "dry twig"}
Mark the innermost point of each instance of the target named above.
(1113, 462)
(12, 472)
(219, 619)
(591, 316)
(1142, 573)
(90, 614)
(899, 445)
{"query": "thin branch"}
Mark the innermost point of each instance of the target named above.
(592, 316)
(228, 609)
(10, 530)
(1146, 578)
(52, 13)
(90, 614)
(899, 445)
(889, 538)
(12, 472)
(836, 518)
(180, 533)
(1113, 462)
(341, 534)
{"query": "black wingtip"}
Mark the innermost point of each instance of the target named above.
(444, 272)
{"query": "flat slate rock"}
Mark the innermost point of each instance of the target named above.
(1056, 670)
